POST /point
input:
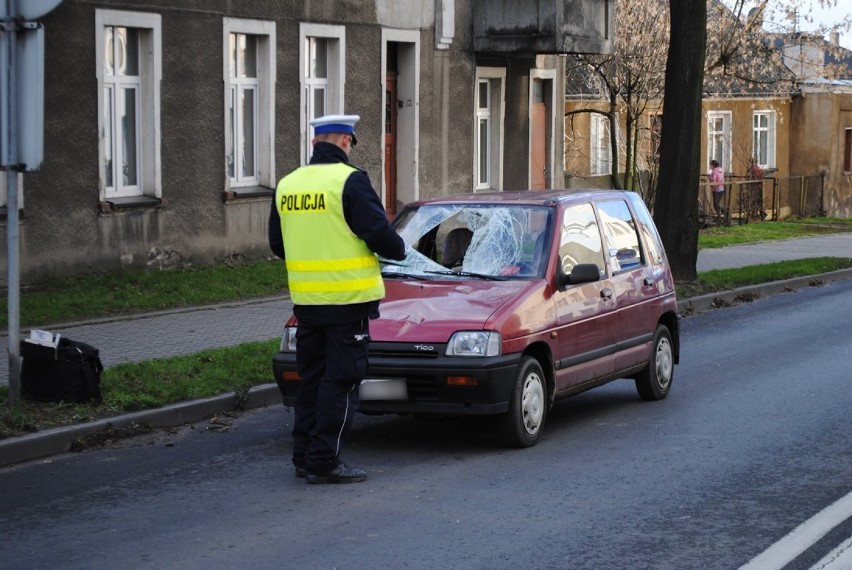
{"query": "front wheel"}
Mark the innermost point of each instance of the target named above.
(522, 425)
(655, 381)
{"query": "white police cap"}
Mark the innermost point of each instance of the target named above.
(335, 124)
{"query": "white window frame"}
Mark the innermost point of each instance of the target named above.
(264, 83)
(723, 136)
(149, 177)
(769, 130)
(600, 149)
(334, 83)
(495, 78)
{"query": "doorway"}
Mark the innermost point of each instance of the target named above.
(390, 128)
(540, 133)
(400, 116)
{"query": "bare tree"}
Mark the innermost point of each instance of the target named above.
(735, 47)
(628, 79)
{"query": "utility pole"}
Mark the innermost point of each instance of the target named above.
(21, 138)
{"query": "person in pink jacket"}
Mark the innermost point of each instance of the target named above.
(717, 184)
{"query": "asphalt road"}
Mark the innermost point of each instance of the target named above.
(753, 441)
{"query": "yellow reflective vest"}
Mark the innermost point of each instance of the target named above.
(327, 264)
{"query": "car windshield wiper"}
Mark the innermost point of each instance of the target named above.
(468, 274)
(402, 274)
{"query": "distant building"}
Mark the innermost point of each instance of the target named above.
(795, 119)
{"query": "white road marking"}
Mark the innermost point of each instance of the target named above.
(840, 558)
(803, 536)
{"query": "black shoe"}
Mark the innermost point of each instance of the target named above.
(340, 474)
(301, 470)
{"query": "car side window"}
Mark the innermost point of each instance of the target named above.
(653, 244)
(623, 251)
(580, 241)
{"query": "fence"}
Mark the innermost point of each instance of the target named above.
(746, 200)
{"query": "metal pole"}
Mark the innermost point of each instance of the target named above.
(14, 287)
(7, 68)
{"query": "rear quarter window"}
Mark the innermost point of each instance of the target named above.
(623, 250)
(650, 235)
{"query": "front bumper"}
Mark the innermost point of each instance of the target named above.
(486, 389)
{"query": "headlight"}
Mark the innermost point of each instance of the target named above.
(474, 343)
(288, 340)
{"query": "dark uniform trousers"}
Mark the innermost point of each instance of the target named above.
(332, 361)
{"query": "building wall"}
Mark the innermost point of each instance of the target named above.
(819, 121)
(67, 229)
(742, 111)
(578, 128)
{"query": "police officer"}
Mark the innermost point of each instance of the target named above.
(328, 223)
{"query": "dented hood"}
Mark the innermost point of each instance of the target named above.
(430, 311)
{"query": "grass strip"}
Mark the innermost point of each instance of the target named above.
(722, 236)
(126, 292)
(149, 384)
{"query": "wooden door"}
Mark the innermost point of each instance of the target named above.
(538, 137)
(390, 143)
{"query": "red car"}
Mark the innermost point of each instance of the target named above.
(508, 301)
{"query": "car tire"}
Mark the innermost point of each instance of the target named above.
(522, 425)
(655, 381)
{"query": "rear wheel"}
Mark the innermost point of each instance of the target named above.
(522, 425)
(655, 381)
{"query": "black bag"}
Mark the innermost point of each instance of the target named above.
(69, 373)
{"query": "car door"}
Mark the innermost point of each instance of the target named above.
(585, 312)
(633, 282)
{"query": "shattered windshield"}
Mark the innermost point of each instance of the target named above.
(479, 241)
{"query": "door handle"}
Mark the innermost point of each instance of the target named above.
(606, 293)
(649, 281)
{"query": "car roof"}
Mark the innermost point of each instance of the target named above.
(527, 197)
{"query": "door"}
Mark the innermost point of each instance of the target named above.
(538, 136)
(390, 142)
(585, 313)
(633, 281)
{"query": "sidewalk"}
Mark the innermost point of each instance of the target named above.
(832, 245)
(185, 331)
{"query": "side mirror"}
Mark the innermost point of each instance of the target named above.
(582, 273)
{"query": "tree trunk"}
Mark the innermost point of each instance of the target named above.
(676, 203)
(613, 138)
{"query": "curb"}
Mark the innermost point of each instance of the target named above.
(695, 305)
(59, 440)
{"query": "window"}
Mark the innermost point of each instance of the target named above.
(322, 76)
(655, 253)
(847, 151)
(249, 77)
(763, 147)
(241, 136)
(622, 240)
(719, 138)
(483, 133)
(488, 138)
(581, 240)
(599, 152)
(128, 68)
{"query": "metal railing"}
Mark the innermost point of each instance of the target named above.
(746, 200)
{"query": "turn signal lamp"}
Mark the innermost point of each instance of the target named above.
(461, 381)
